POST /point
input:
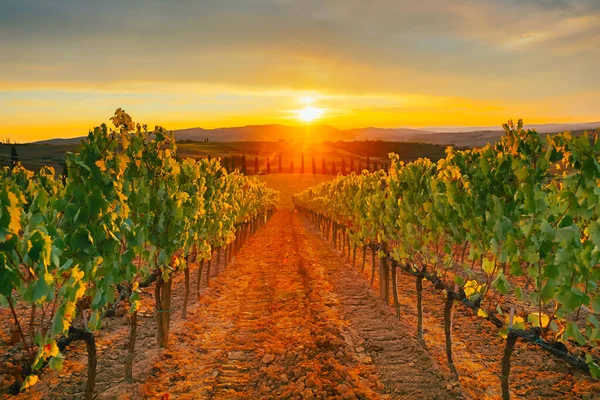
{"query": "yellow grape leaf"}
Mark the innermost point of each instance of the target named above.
(50, 349)
(29, 382)
(77, 274)
(101, 164)
(135, 306)
(518, 322)
(123, 161)
(471, 287)
(49, 278)
(80, 291)
(69, 311)
(125, 141)
(488, 265)
(482, 313)
(534, 319)
(14, 212)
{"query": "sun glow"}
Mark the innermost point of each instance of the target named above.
(309, 114)
(306, 100)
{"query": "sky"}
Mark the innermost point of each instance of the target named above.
(65, 66)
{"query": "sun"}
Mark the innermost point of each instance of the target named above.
(309, 114)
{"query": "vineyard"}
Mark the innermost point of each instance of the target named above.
(128, 214)
(510, 231)
(139, 274)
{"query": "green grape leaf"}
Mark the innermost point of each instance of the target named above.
(594, 368)
(501, 284)
(572, 331)
(596, 303)
(56, 363)
(594, 231)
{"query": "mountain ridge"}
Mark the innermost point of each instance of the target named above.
(459, 136)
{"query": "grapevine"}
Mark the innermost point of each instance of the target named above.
(129, 211)
(519, 218)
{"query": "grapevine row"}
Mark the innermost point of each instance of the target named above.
(128, 213)
(519, 218)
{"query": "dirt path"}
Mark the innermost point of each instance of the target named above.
(405, 368)
(272, 327)
(267, 329)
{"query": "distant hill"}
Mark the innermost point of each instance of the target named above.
(263, 133)
(391, 134)
(61, 141)
(541, 128)
(458, 136)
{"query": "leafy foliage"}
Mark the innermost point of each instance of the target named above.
(129, 206)
(520, 217)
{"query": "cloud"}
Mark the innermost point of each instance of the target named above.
(230, 40)
(116, 51)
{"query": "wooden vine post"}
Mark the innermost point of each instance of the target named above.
(419, 287)
(511, 340)
(364, 257)
(131, 347)
(395, 287)
(373, 261)
(186, 295)
(451, 296)
(384, 274)
(199, 280)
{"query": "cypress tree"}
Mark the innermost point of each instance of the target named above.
(232, 163)
(333, 171)
(244, 164)
(343, 166)
(352, 165)
(314, 166)
(256, 165)
(359, 166)
(226, 164)
(324, 167)
(292, 166)
(14, 157)
(268, 166)
(368, 164)
(302, 164)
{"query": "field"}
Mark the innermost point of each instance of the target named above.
(288, 185)
(33, 156)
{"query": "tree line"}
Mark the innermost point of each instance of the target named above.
(325, 167)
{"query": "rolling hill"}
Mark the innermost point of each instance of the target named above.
(460, 136)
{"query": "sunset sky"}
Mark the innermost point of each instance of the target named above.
(65, 66)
